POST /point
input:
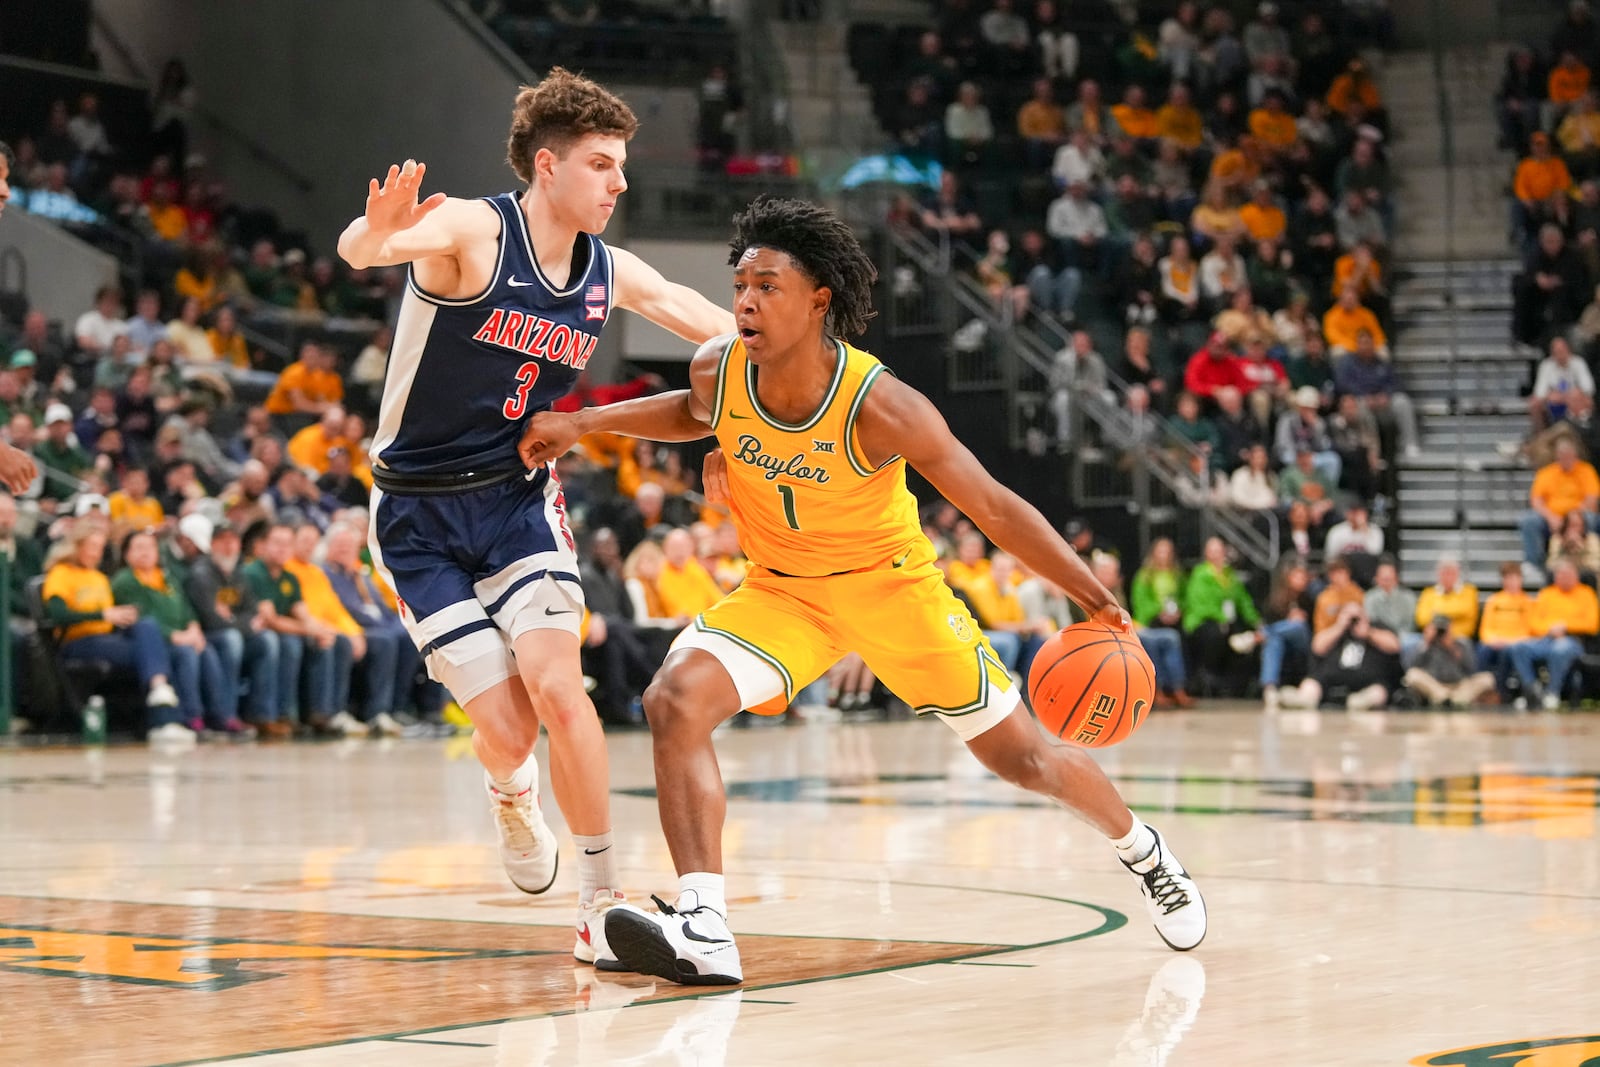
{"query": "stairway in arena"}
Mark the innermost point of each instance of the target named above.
(1454, 351)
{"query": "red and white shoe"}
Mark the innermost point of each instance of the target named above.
(590, 945)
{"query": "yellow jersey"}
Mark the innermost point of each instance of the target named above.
(806, 501)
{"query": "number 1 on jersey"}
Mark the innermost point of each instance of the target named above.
(787, 492)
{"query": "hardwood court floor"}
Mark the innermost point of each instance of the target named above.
(1383, 889)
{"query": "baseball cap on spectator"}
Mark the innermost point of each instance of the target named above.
(23, 357)
(1074, 528)
(1307, 396)
(57, 413)
(294, 255)
(88, 502)
(197, 528)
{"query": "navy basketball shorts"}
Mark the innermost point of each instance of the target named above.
(476, 570)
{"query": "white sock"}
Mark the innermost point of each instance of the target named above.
(597, 868)
(521, 780)
(707, 890)
(1135, 845)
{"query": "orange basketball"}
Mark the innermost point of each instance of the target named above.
(1092, 685)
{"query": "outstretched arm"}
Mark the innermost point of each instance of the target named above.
(681, 415)
(898, 420)
(641, 289)
(396, 228)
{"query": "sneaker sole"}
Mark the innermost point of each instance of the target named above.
(641, 947)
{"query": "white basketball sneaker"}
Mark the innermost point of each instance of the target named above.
(589, 944)
(690, 946)
(527, 845)
(1171, 897)
(1171, 1004)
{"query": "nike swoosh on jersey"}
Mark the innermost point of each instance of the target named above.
(902, 560)
(511, 280)
(736, 415)
(689, 932)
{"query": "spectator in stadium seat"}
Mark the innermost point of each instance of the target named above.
(1563, 612)
(1253, 487)
(1137, 285)
(1343, 322)
(1550, 288)
(1078, 160)
(1238, 430)
(309, 446)
(392, 661)
(96, 327)
(1373, 381)
(1211, 368)
(1264, 378)
(1350, 658)
(1304, 430)
(951, 210)
(1451, 597)
(1037, 266)
(1445, 670)
(1079, 227)
(306, 388)
(1356, 539)
(1042, 125)
(227, 343)
(1285, 625)
(1217, 609)
(968, 129)
(1538, 177)
(1262, 217)
(328, 669)
(1566, 485)
(1189, 426)
(1575, 541)
(1179, 41)
(1357, 221)
(1007, 35)
(686, 588)
(1314, 238)
(1130, 214)
(1137, 367)
(1522, 89)
(62, 461)
(1135, 119)
(1355, 89)
(1579, 138)
(1340, 592)
(1180, 283)
(1392, 606)
(1309, 365)
(132, 507)
(1222, 273)
(1271, 124)
(1569, 80)
(77, 596)
(993, 596)
(1507, 620)
(1563, 388)
(1303, 483)
(1215, 218)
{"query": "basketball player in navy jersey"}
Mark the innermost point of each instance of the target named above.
(17, 470)
(505, 302)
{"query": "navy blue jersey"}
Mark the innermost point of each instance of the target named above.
(464, 375)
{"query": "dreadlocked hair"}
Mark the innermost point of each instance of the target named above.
(821, 245)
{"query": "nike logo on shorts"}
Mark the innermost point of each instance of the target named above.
(511, 280)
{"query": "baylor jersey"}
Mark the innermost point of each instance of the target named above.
(806, 501)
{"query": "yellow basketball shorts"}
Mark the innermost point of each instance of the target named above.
(776, 635)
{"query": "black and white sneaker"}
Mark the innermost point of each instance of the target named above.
(690, 946)
(1170, 896)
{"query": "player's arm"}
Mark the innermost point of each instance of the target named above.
(898, 420)
(396, 228)
(681, 415)
(640, 288)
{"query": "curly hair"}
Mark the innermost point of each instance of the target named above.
(558, 111)
(820, 245)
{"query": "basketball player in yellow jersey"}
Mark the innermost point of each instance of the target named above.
(815, 437)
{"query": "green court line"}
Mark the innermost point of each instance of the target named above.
(1110, 921)
(425, 1041)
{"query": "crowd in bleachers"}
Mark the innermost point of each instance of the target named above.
(1199, 210)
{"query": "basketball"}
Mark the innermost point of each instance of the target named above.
(1092, 685)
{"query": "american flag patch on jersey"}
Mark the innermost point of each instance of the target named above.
(595, 294)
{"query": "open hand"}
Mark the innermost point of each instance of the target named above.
(1113, 616)
(393, 206)
(714, 478)
(548, 436)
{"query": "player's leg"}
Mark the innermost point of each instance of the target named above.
(939, 663)
(755, 649)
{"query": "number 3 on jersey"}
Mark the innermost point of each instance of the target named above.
(516, 404)
(787, 492)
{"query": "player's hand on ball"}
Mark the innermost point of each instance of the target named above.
(548, 436)
(392, 206)
(17, 469)
(1113, 615)
(714, 477)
